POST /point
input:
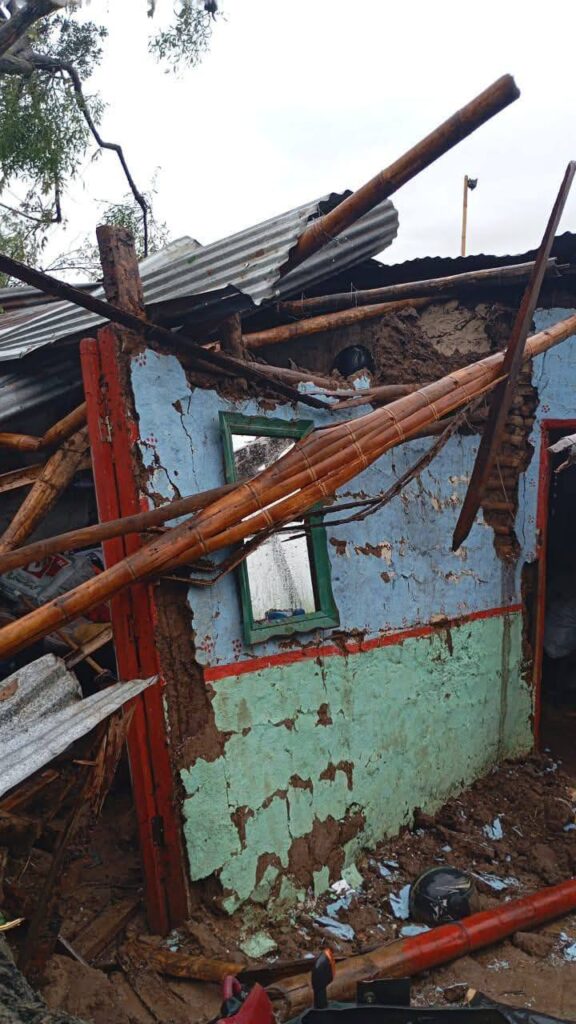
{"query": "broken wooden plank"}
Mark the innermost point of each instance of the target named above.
(512, 363)
(92, 940)
(155, 993)
(26, 476)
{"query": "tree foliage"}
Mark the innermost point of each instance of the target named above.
(49, 119)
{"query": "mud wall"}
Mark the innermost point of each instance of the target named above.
(313, 746)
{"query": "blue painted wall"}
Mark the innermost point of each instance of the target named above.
(414, 580)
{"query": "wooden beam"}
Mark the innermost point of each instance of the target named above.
(434, 288)
(54, 436)
(328, 322)
(512, 364)
(51, 482)
(461, 124)
(89, 536)
(204, 359)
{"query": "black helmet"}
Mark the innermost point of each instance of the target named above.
(441, 895)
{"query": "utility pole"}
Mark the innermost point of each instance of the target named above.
(469, 184)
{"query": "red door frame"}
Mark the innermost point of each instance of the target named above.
(113, 434)
(543, 509)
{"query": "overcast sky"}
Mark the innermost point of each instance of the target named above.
(297, 98)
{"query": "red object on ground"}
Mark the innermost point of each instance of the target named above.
(256, 1008)
(406, 957)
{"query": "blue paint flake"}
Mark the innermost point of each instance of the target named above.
(399, 903)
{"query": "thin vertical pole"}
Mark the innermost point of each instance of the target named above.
(464, 216)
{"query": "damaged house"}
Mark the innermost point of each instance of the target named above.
(321, 681)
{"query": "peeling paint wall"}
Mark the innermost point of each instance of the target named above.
(311, 747)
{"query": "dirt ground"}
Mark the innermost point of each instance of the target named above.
(511, 830)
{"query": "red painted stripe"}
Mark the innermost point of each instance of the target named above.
(240, 668)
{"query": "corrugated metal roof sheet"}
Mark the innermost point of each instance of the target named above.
(42, 712)
(232, 275)
(425, 267)
(23, 389)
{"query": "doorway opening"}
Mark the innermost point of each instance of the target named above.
(558, 587)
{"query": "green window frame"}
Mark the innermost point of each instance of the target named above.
(326, 614)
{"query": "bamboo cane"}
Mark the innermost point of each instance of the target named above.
(52, 481)
(312, 470)
(465, 121)
(88, 536)
(406, 957)
(327, 322)
(435, 288)
(55, 435)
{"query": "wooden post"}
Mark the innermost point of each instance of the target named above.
(113, 432)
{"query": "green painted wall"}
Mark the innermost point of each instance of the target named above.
(324, 756)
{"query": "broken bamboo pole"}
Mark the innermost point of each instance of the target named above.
(433, 288)
(327, 322)
(56, 474)
(54, 436)
(313, 469)
(461, 124)
(406, 957)
(88, 536)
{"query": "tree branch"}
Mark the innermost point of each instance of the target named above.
(52, 64)
(15, 27)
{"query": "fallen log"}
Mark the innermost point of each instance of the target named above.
(328, 322)
(311, 471)
(433, 288)
(405, 957)
(51, 482)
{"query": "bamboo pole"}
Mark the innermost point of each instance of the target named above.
(436, 288)
(52, 481)
(327, 322)
(88, 536)
(311, 471)
(54, 436)
(406, 957)
(461, 124)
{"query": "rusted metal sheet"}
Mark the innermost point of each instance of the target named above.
(42, 712)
